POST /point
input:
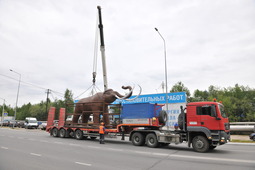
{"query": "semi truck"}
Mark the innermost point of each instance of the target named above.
(202, 125)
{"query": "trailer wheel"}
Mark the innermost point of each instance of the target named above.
(180, 120)
(62, 133)
(138, 139)
(78, 134)
(200, 144)
(152, 141)
(55, 132)
(162, 117)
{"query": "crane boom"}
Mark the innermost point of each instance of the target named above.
(102, 48)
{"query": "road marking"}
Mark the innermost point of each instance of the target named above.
(59, 142)
(31, 139)
(160, 154)
(113, 149)
(95, 147)
(73, 144)
(214, 159)
(44, 141)
(142, 152)
(35, 154)
(80, 163)
(4, 147)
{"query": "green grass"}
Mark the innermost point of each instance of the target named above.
(242, 141)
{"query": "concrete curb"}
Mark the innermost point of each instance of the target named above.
(236, 143)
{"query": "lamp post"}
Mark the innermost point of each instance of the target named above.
(17, 95)
(2, 112)
(165, 68)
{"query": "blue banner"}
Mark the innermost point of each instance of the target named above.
(179, 97)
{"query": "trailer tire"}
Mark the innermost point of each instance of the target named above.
(138, 139)
(78, 134)
(62, 133)
(55, 132)
(200, 144)
(180, 120)
(152, 141)
(162, 117)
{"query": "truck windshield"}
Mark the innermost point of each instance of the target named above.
(222, 111)
(32, 121)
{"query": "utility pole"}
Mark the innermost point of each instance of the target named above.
(15, 114)
(2, 112)
(47, 101)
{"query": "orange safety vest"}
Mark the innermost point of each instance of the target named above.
(101, 129)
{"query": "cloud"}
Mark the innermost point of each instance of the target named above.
(51, 44)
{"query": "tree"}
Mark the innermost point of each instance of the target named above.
(201, 95)
(69, 101)
(179, 87)
(24, 111)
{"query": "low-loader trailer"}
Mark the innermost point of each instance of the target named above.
(202, 125)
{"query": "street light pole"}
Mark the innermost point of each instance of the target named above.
(165, 69)
(17, 95)
(2, 112)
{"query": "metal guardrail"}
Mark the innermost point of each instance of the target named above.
(242, 126)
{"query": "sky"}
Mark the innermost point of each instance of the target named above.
(51, 44)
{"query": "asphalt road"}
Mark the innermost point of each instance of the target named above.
(27, 149)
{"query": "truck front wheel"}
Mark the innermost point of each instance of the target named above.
(151, 140)
(200, 144)
(138, 139)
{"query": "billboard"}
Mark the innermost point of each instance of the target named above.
(179, 97)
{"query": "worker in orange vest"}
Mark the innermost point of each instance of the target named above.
(101, 133)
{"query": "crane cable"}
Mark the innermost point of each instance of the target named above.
(94, 73)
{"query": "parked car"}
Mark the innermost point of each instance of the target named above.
(6, 123)
(42, 125)
(13, 123)
(21, 124)
(252, 136)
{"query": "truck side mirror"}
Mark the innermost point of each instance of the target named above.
(213, 112)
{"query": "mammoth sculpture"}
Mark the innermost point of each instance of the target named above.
(97, 104)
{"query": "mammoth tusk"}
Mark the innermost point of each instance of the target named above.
(127, 95)
(130, 92)
(137, 95)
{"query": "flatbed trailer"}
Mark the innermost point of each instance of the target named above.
(84, 130)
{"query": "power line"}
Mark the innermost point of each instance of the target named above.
(31, 84)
